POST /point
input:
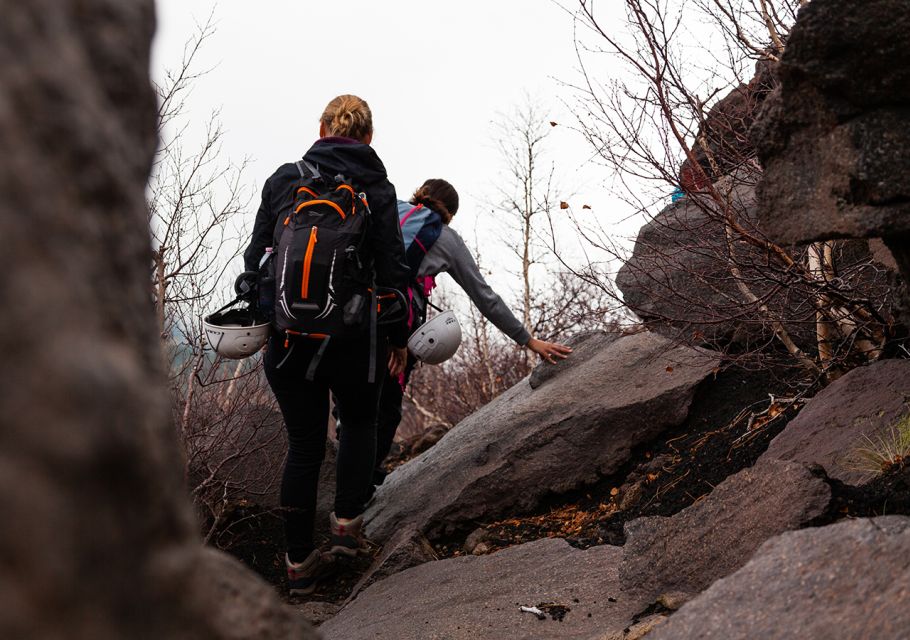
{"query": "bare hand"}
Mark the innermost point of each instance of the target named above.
(549, 351)
(398, 358)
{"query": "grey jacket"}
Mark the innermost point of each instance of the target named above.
(451, 255)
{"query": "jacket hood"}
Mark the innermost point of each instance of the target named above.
(351, 158)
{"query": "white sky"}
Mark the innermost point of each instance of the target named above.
(435, 74)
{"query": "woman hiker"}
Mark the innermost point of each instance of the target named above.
(448, 254)
(302, 376)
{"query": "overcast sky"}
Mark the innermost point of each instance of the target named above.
(436, 74)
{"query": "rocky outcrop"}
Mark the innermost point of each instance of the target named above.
(529, 443)
(478, 597)
(725, 131)
(835, 140)
(100, 542)
(849, 414)
(678, 277)
(716, 536)
(848, 580)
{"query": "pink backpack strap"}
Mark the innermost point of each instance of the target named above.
(408, 215)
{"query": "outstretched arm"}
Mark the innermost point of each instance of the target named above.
(464, 270)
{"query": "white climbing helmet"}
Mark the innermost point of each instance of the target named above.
(436, 340)
(235, 334)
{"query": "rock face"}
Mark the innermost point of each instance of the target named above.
(678, 277)
(865, 402)
(479, 597)
(584, 347)
(531, 442)
(101, 543)
(407, 548)
(835, 141)
(718, 535)
(680, 282)
(725, 131)
(848, 580)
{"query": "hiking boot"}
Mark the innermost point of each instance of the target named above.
(347, 539)
(303, 576)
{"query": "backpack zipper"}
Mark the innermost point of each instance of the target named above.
(307, 262)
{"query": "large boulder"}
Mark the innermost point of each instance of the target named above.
(679, 280)
(685, 280)
(848, 580)
(835, 140)
(716, 536)
(99, 541)
(478, 597)
(529, 443)
(848, 415)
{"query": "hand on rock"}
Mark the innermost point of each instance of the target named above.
(549, 351)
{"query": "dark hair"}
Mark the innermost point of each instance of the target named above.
(438, 195)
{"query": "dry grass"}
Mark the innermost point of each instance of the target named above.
(883, 452)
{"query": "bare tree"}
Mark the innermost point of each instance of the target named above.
(526, 193)
(198, 205)
(659, 125)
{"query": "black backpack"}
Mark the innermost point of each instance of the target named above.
(320, 274)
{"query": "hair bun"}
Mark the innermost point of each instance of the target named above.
(348, 116)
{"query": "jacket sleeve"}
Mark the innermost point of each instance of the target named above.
(466, 273)
(388, 251)
(263, 228)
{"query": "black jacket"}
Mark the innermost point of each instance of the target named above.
(360, 163)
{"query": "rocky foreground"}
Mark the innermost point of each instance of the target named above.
(99, 541)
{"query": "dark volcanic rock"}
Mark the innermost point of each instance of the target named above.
(98, 541)
(529, 443)
(865, 402)
(678, 278)
(835, 141)
(474, 598)
(407, 548)
(717, 535)
(726, 131)
(848, 580)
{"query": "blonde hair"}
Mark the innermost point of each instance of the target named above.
(348, 116)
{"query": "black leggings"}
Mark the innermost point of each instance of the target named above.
(390, 401)
(343, 371)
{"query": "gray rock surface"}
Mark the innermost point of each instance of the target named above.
(98, 541)
(847, 581)
(835, 140)
(865, 402)
(584, 347)
(479, 597)
(529, 443)
(717, 535)
(407, 548)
